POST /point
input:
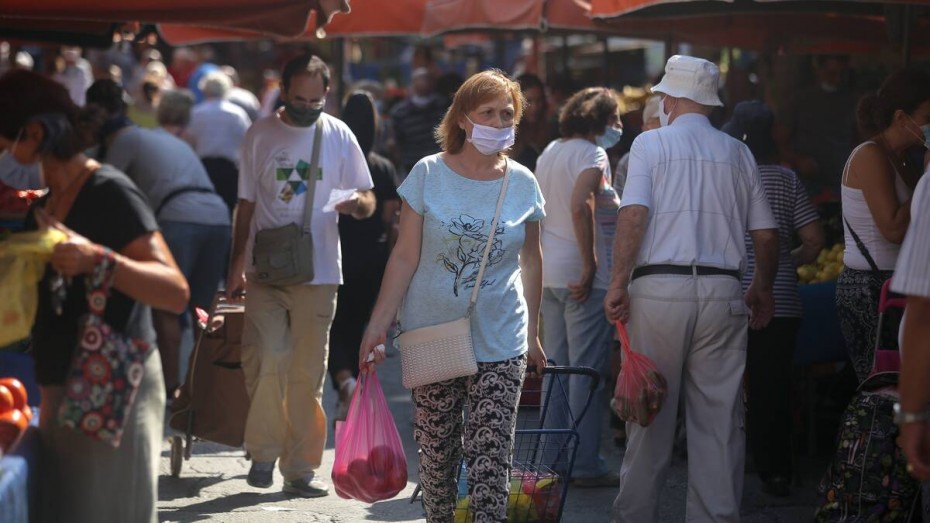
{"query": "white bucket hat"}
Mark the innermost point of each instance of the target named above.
(692, 78)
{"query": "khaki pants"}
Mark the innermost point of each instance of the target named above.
(285, 340)
(695, 330)
(87, 480)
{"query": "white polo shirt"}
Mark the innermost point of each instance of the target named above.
(703, 192)
(217, 128)
(275, 172)
(912, 272)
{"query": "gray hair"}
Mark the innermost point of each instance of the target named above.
(215, 84)
(175, 107)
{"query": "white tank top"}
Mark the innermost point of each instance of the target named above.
(856, 212)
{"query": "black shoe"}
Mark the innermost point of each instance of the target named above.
(307, 487)
(777, 486)
(261, 475)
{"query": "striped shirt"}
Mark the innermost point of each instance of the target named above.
(793, 210)
(912, 273)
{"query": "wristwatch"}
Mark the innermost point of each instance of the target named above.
(901, 416)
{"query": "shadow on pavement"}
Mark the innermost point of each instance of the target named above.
(209, 509)
(397, 509)
(170, 488)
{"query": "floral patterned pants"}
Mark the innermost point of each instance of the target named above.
(491, 397)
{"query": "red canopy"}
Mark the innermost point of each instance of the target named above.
(443, 16)
(427, 18)
(367, 18)
(279, 17)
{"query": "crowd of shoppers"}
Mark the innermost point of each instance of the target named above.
(692, 240)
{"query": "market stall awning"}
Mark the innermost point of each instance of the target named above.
(367, 18)
(444, 16)
(278, 17)
(611, 9)
(774, 25)
(426, 18)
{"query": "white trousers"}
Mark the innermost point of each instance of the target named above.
(695, 330)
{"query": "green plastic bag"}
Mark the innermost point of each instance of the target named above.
(22, 262)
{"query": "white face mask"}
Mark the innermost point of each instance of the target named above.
(490, 140)
(20, 176)
(663, 117)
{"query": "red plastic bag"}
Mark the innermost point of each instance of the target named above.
(641, 389)
(370, 461)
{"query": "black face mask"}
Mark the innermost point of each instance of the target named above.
(302, 116)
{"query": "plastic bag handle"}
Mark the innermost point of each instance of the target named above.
(624, 337)
(362, 388)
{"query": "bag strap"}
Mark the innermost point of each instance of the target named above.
(311, 179)
(487, 247)
(99, 281)
(861, 246)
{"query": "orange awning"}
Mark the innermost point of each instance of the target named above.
(367, 18)
(427, 18)
(279, 17)
(443, 16)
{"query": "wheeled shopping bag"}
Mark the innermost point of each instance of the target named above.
(867, 479)
(213, 403)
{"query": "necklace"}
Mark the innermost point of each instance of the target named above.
(898, 161)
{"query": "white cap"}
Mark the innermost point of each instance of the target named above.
(651, 109)
(692, 78)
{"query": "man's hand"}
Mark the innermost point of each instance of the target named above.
(582, 289)
(617, 304)
(360, 206)
(235, 286)
(761, 306)
(914, 440)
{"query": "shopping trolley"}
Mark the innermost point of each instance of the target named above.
(212, 403)
(545, 443)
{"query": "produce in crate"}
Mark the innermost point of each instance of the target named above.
(827, 267)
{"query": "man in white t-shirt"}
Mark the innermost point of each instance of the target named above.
(285, 335)
(691, 194)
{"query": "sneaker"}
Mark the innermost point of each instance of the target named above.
(306, 487)
(345, 397)
(607, 480)
(261, 475)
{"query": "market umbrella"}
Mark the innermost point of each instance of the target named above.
(367, 18)
(426, 18)
(443, 16)
(278, 17)
(783, 25)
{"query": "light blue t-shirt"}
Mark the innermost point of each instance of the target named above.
(457, 214)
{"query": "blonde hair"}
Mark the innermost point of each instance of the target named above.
(476, 90)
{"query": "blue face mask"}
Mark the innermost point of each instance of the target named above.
(610, 137)
(20, 176)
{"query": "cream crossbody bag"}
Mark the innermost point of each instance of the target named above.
(444, 351)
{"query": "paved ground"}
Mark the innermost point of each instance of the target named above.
(212, 486)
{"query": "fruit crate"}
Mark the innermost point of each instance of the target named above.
(545, 443)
